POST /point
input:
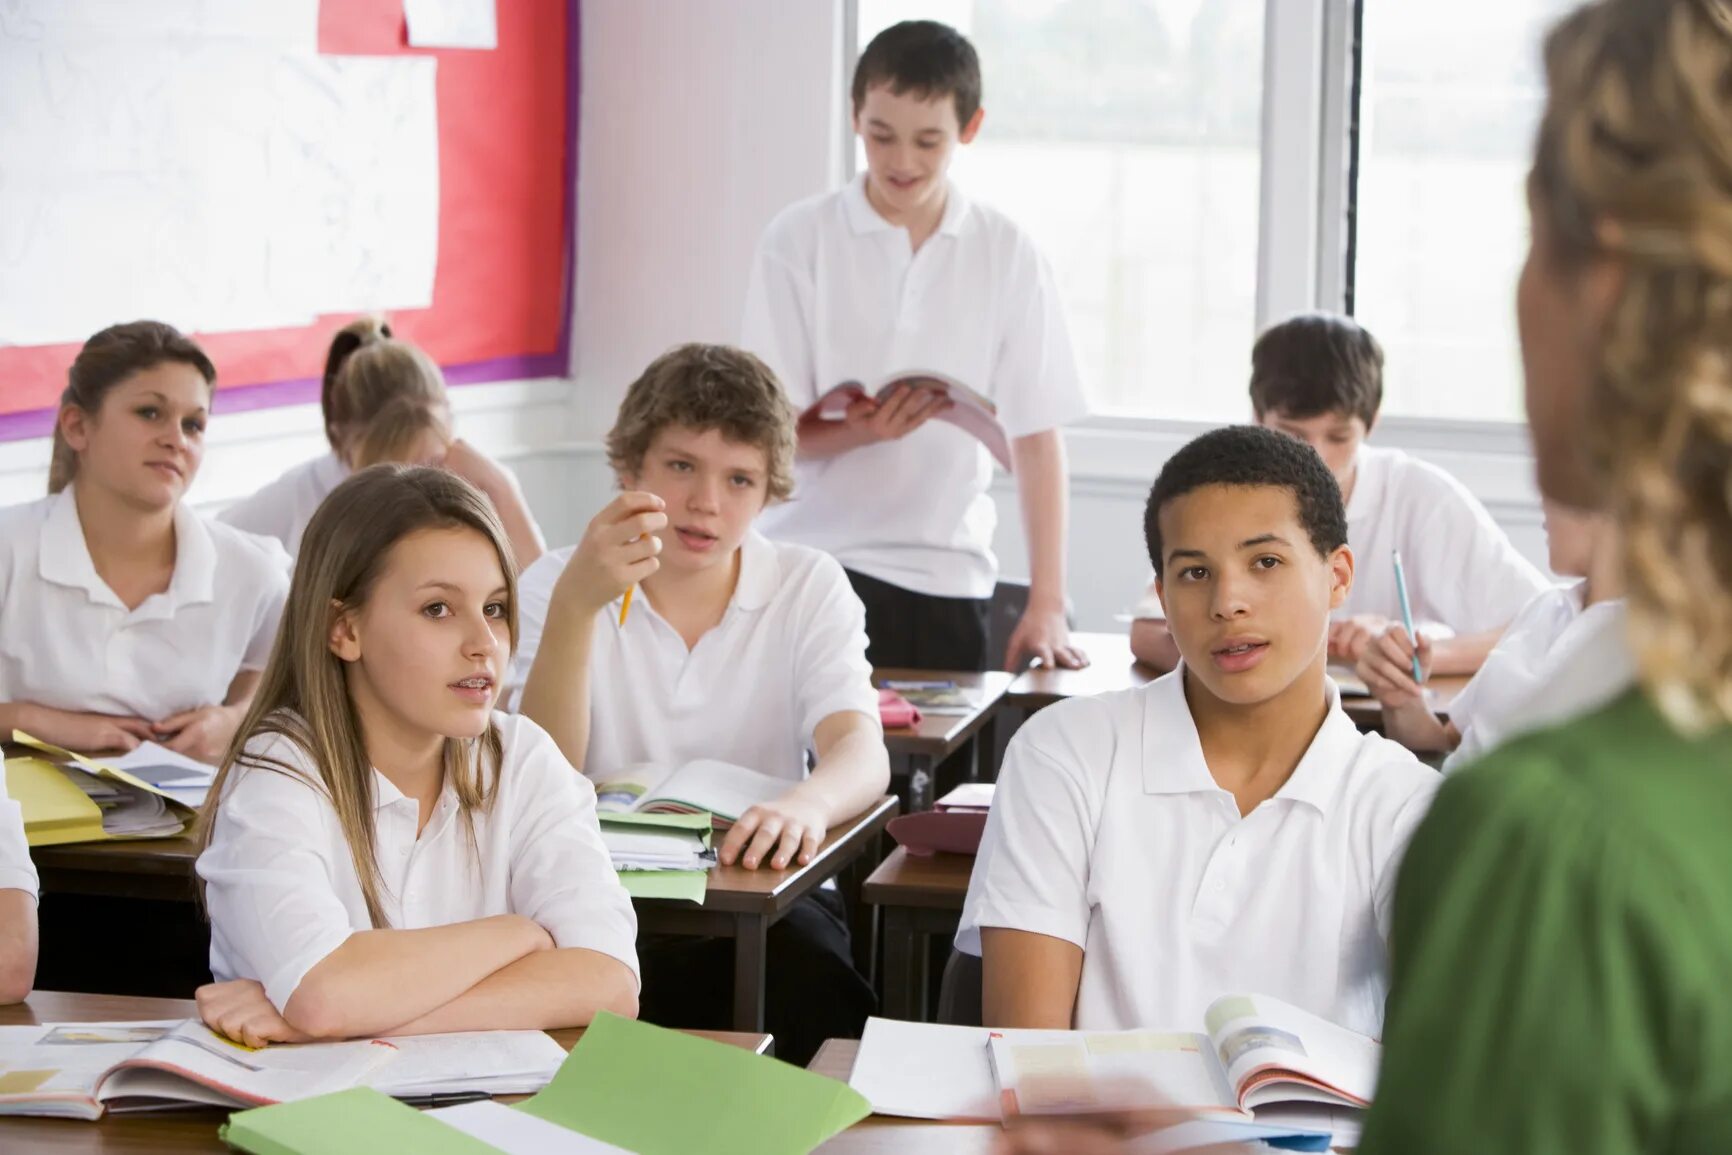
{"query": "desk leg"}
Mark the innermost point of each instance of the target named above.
(900, 955)
(750, 931)
(862, 918)
(982, 766)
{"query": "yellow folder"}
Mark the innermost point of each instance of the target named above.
(56, 810)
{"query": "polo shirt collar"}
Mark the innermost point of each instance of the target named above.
(760, 577)
(1173, 761)
(760, 573)
(64, 558)
(864, 219)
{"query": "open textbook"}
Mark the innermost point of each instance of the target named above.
(1257, 1051)
(81, 1070)
(1258, 1061)
(971, 411)
(706, 785)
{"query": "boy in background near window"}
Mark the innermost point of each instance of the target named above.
(1318, 378)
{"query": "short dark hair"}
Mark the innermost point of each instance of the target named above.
(1317, 363)
(926, 58)
(1247, 456)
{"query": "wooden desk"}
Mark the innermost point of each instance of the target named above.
(882, 1134)
(1111, 667)
(740, 904)
(194, 1129)
(917, 897)
(922, 747)
(743, 904)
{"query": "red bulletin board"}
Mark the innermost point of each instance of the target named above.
(507, 179)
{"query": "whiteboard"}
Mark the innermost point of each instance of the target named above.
(201, 160)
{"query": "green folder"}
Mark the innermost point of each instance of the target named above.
(662, 1092)
(690, 885)
(699, 824)
(356, 1122)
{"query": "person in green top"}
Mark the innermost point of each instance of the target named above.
(1562, 939)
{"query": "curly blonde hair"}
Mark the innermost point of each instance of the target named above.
(703, 387)
(1637, 134)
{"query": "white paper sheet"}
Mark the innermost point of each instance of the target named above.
(452, 23)
(198, 161)
(517, 1133)
(925, 1071)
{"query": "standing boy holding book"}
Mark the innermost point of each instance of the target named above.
(898, 271)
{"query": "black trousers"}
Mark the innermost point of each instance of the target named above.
(811, 990)
(919, 631)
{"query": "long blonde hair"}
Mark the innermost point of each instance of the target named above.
(1638, 134)
(380, 394)
(304, 696)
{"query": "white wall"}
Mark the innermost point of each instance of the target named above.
(700, 122)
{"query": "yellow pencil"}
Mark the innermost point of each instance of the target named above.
(625, 604)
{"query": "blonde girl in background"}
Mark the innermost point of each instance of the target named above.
(383, 400)
(124, 616)
(384, 854)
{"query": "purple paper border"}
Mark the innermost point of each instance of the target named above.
(273, 394)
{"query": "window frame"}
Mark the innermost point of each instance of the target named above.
(1307, 206)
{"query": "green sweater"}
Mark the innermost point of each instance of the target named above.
(1562, 950)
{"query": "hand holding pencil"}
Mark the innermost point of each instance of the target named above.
(619, 549)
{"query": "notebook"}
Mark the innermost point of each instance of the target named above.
(720, 789)
(67, 797)
(83, 1070)
(970, 411)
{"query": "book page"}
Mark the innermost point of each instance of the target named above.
(1261, 1041)
(66, 1061)
(725, 790)
(622, 791)
(250, 1076)
(1072, 1072)
(501, 1062)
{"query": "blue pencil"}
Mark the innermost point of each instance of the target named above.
(1407, 615)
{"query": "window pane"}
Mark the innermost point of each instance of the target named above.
(1123, 134)
(1450, 100)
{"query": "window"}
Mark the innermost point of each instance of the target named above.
(1448, 102)
(1123, 135)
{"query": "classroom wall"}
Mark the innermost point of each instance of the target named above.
(699, 122)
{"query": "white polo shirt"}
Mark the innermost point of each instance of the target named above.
(1463, 572)
(17, 872)
(1556, 661)
(1108, 831)
(789, 651)
(838, 294)
(283, 508)
(283, 893)
(67, 642)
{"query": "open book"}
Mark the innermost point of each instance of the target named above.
(706, 785)
(1257, 1052)
(80, 1070)
(971, 411)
